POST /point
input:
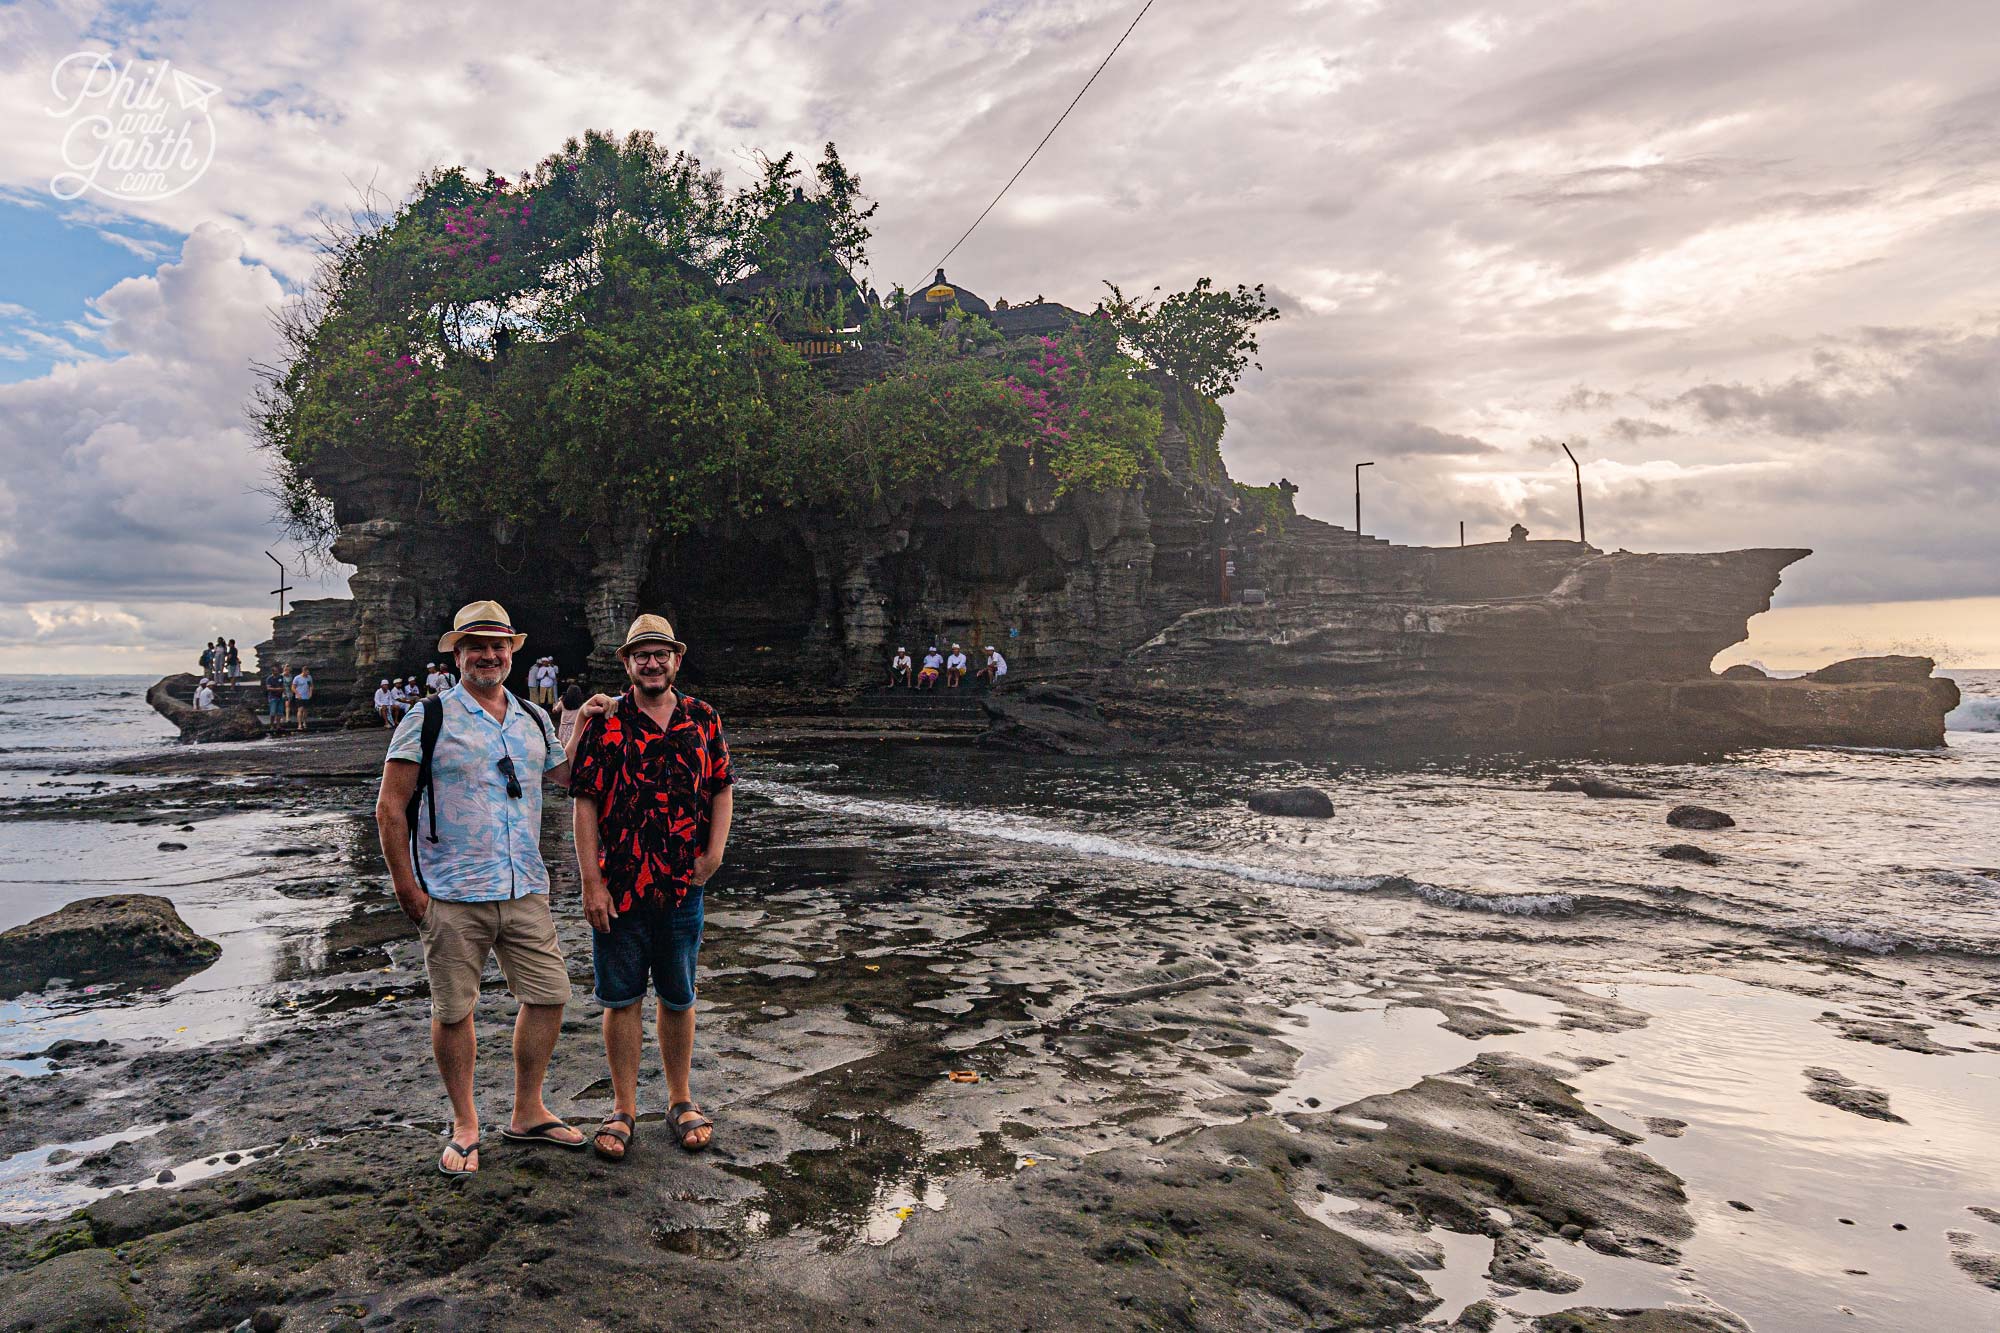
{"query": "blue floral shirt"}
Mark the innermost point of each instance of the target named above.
(489, 845)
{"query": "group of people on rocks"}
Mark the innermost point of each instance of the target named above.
(288, 695)
(221, 663)
(396, 697)
(459, 814)
(905, 674)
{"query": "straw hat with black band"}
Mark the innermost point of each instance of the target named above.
(651, 629)
(481, 619)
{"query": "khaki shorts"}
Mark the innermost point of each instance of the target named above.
(458, 936)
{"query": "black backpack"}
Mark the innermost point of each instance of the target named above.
(428, 732)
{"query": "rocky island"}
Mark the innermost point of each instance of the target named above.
(807, 474)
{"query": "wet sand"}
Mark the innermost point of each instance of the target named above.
(1200, 1102)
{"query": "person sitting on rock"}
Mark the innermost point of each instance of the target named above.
(900, 667)
(996, 666)
(204, 696)
(927, 678)
(412, 694)
(954, 667)
(385, 704)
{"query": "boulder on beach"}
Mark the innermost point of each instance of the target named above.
(1300, 802)
(1687, 851)
(1744, 671)
(122, 937)
(1698, 817)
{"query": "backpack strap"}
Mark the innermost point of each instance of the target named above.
(541, 722)
(429, 729)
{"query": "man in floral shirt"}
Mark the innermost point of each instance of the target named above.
(651, 784)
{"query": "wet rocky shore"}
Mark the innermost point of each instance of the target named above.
(1001, 1089)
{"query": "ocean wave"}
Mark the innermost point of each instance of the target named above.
(1975, 712)
(1506, 904)
(1011, 828)
(1868, 941)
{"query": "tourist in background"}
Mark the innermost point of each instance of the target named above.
(569, 712)
(652, 798)
(900, 667)
(481, 887)
(235, 665)
(954, 667)
(302, 693)
(207, 658)
(204, 696)
(274, 694)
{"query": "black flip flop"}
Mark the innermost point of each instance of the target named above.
(540, 1134)
(464, 1151)
(623, 1136)
(683, 1129)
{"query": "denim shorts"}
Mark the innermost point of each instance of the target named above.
(656, 939)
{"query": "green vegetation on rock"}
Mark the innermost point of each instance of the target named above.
(619, 334)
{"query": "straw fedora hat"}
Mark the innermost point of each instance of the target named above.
(487, 619)
(650, 629)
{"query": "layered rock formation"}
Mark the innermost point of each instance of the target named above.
(1124, 619)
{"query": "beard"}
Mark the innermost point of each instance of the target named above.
(485, 676)
(652, 686)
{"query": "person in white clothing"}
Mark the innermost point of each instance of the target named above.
(302, 693)
(954, 667)
(204, 696)
(996, 666)
(933, 663)
(385, 703)
(900, 668)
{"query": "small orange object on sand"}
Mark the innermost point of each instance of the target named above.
(963, 1076)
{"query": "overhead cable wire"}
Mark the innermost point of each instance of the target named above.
(1045, 139)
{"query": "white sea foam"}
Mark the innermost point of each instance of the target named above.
(1507, 904)
(1975, 712)
(1013, 828)
(1871, 941)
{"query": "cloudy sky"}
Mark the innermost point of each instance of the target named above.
(1741, 257)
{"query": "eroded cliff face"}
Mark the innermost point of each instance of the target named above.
(1537, 646)
(801, 599)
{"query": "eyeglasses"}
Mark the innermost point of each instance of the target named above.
(506, 766)
(648, 658)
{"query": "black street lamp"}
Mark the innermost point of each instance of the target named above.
(1579, 494)
(1357, 498)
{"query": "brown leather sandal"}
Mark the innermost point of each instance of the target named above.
(683, 1128)
(622, 1136)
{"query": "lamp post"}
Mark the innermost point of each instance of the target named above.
(1579, 493)
(1357, 500)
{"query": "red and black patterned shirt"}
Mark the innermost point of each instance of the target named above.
(655, 791)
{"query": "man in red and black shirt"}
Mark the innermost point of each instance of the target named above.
(652, 788)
